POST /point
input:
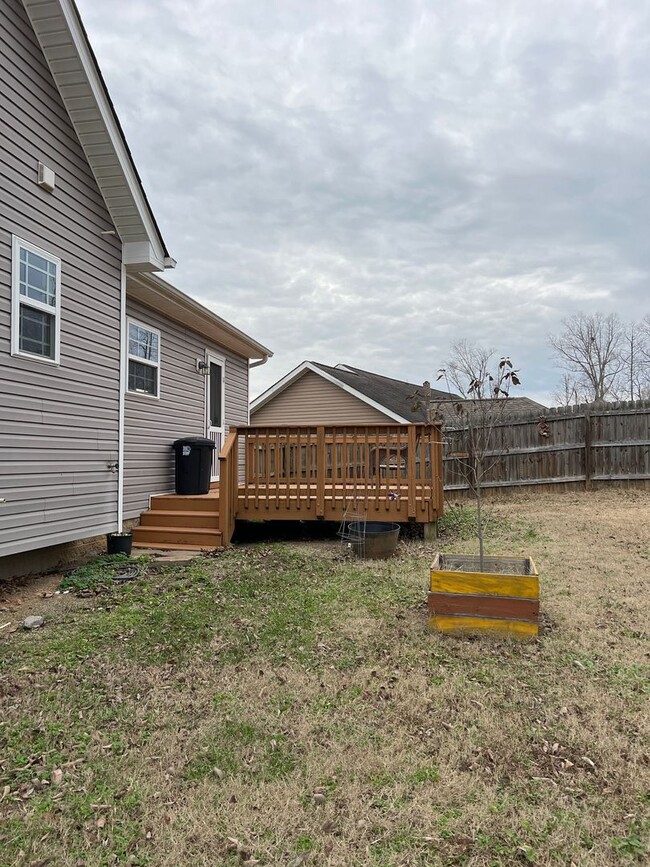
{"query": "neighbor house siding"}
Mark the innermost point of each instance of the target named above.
(313, 400)
(58, 424)
(153, 424)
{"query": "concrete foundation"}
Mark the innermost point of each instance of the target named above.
(55, 557)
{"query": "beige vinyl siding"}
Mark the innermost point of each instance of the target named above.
(313, 400)
(58, 425)
(153, 424)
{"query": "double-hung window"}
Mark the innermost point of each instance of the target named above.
(36, 302)
(144, 359)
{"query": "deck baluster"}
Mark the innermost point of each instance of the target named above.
(412, 462)
(321, 469)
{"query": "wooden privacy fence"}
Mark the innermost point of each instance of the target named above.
(577, 446)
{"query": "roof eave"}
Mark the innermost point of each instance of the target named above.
(73, 65)
(154, 292)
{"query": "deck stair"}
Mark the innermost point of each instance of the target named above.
(180, 522)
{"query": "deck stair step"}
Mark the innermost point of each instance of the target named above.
(184, 522)
(185, 503)
(177, 518)
(143, 546)
(173, 537)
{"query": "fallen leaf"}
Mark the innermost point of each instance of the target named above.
(57, 777)
(101, 822)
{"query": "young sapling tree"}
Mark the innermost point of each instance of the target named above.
(472, 423)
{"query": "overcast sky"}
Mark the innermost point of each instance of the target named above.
(367, 182)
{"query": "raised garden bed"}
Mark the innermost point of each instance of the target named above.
(502, 599)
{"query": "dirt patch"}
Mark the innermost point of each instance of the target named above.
(23, 597)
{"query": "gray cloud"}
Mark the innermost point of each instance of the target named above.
(369, 182)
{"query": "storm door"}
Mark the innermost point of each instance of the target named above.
(215, 394)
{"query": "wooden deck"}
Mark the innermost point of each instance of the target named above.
(388, 472)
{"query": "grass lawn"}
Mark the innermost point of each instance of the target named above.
(281, 705)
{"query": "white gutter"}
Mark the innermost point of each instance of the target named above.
(259, 362)
(120, 430)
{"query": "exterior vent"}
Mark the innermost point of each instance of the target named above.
(46, 178)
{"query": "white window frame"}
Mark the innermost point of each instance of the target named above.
(18, 300)
(157, 364)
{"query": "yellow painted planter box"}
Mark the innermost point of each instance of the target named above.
(503, 599)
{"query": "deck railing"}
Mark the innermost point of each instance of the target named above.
(390, 472)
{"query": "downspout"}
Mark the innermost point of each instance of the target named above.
(120, 429)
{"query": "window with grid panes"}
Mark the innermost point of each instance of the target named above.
(143, 359)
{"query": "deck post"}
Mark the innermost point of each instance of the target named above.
(321, 467)
(228, 483)
(234, 479)
(430, 531)
(411, 463)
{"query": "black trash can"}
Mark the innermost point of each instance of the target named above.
(193, 463)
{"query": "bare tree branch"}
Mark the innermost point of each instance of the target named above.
(468, 363)
(634, 381)
(570, 392)
(591, 348)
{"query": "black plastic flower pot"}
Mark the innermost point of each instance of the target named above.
(119, 543)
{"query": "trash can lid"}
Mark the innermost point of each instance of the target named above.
(204, 442)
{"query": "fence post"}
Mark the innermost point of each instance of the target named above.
(321, 466)
(411, 464)
(588, 465)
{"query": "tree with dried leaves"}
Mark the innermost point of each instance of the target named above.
(591, 350)
(469, 363)
(472, 422)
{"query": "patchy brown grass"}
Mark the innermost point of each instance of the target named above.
(279, 705)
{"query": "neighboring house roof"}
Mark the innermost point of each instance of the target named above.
(510, 406)
(157, 293)
(393, 397)
(74, 68)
